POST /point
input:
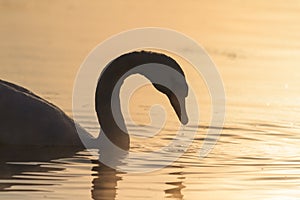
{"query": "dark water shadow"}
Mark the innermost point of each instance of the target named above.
(104, 184)
(20, 160)
(177, 186)
(16, 161)
(25, 166)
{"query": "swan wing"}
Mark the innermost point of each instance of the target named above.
(27, 119)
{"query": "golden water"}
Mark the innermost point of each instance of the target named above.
(256, 47)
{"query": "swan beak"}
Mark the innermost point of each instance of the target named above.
(179, 107)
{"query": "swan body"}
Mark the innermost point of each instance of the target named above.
(27, 119)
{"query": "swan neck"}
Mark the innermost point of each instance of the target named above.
(107, 99)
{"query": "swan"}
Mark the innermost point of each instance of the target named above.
(27, 119)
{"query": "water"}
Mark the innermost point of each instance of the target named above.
(256, 46)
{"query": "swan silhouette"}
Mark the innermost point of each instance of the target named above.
(27, 119)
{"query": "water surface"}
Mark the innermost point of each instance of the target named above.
(256, 46)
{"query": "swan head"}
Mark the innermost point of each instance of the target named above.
(168, 78)
(177, 100)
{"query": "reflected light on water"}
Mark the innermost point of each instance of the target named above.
(255, 45)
